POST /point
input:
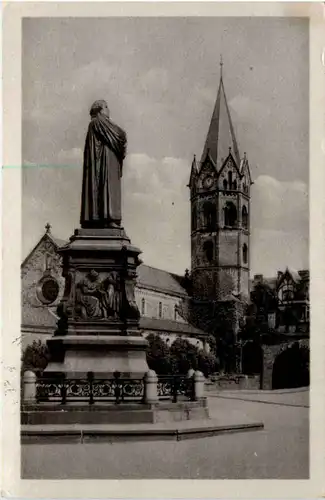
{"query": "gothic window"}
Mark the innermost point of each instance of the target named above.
(209, 213)
(230, 179)
(245, 253)
(225, 184)
(208, 250)
(143, 307)
(244, 214)
(235, 185)
(230, 214)
(160, 310)
(48, 261)
(194, 219)
(175, 313)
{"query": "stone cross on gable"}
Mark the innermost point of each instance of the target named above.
(48, 227)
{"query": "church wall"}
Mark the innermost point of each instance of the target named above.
(152, 300)
(228, 248)
(34, 312)
(244, 282)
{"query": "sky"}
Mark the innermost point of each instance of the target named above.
(160, 78)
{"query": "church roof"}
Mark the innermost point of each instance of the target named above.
(159, 280)
(221, 134)
(170, 326)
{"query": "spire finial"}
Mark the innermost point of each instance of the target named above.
(48, 227)
(221, 64)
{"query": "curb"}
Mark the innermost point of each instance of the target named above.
(71, 435)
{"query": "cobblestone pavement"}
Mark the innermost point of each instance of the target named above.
(279, 451)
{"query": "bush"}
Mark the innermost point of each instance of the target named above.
(184, 356)
(35, 357)
(207, 363)
(158, 355)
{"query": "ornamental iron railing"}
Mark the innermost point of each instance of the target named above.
(117, 390)
(175, 387)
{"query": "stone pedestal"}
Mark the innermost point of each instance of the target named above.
(98, 327)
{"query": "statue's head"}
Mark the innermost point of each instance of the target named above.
(93, 275)
(99, 106)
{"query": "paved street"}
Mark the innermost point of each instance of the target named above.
(280, 451)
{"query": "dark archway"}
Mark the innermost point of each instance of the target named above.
(252, 359)
(291, 368)
(210, 216)
(230, 214)
(208, 250)
(244, 216)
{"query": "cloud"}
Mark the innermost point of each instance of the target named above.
(248, 109)
(157, 210)
(279, 225)
(281, 205)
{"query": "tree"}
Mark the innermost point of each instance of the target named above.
(35, 357)
(158, 355)
(207, 363)
(263, 302)
(184, 356)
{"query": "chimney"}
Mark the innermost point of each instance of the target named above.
(304, 274)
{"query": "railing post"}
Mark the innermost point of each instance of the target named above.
(117, 375)
(190, 384)
(29, 391)
(90, 377)
(150, 387)
(174, 388)
(64, 392)
(199, 381)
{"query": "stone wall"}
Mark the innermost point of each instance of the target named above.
(151, 304)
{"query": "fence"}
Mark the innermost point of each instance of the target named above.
(117, 390)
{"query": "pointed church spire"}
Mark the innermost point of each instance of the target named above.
(221, 134)
(193, 172)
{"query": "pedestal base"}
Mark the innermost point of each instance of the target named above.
(77, 355)
(126, 413)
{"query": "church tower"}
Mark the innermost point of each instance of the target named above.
(220, 211)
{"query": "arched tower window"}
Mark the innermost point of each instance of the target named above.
(245, 253)
(160, 310)
(143, 307)
(244, 215)
(235, 185)
(230, 179)
(208, 250)
(230, 214)
(194, 218)
(209, 213)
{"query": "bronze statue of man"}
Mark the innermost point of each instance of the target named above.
(104, 152)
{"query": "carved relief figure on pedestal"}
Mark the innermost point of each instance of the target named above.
(131, 308)
(88, 295)
(111, 296)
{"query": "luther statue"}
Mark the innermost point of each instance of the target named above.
(104, 152)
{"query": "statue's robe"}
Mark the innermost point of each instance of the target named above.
(102, 171)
